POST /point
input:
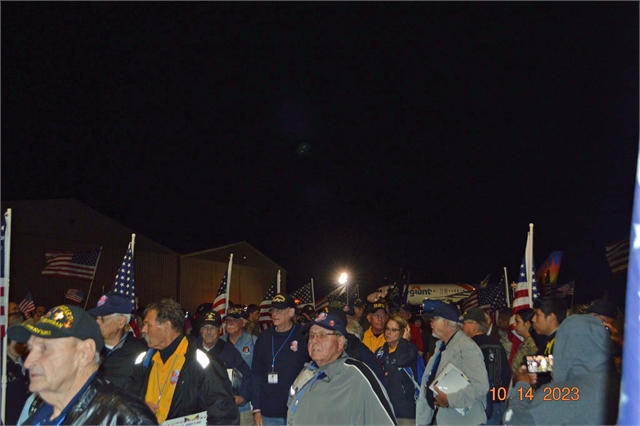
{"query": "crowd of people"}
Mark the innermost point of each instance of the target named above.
(346, 364)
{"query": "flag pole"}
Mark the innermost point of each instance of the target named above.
(92, 278)
(529, 264)
(5, 302)
(506, 287)
(228, 282)
(313, 295)
(278, 285)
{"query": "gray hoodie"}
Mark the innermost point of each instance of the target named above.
(585, 388)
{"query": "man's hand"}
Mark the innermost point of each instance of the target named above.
(257, 419)
(441, 399)
(523, 375)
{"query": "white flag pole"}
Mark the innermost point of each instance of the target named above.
(5, 302)
(506, 287)
(313, 295)
(278, 285)
(228, 282)
(529, 264)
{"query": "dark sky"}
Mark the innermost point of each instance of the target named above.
(367, 136)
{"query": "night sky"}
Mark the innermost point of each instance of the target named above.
(366, 136)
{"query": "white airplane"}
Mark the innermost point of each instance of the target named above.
(418, 292)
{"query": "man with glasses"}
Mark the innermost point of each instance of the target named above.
(467, 405)
(230, 358)
(374, 337)
(121, 347)
(280, 353)
(336, 389)
(237, 335)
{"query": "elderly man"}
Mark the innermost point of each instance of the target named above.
(495, 359)
(63, 361)
(174, 377)
(374, 336)
(335, 389)
(585, 388)
(458, 349)
(121, 348)
(226, 353)
(280, 353)
(237, 334)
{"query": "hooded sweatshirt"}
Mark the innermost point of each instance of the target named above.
(585, 388)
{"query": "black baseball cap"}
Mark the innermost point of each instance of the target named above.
(282, 301)
(61, 321)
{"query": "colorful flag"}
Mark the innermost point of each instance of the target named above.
(618, 255)
(220, 303)
(303, 295)
(550, 266)
(27, 306)
(75, 295)
(5, 244)
(80, 266)
(521, 300)
(493, 296)
(124, 285)
(264, 321)
(567, 289)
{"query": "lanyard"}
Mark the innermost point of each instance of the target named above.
(165, 380)
(304, 389)
(273, 361)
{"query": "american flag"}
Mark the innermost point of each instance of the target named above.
(494, 296)
(618, 255)
(567, 289)
(220, 303)
(81, 266)
(5, 234)
(521, 301)
(27, 306)
(124, 285)
(303, 295)
(75, 295)
(265, 317)
(338, 295)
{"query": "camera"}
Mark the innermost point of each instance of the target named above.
(539, 363)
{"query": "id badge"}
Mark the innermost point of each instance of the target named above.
(272, 378)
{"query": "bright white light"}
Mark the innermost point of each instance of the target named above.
(343, 278)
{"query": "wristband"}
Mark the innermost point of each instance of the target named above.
(256, 411)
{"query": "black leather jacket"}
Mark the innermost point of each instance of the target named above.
(103, 403)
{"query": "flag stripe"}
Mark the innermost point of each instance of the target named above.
(264, 321)
(71, 265)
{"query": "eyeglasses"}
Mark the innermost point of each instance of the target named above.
(278, 311)
(208, 328)
(380, 316)
(393, 330)
(322, 336)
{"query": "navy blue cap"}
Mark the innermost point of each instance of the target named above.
(448, 312)
(111, 303)
(331, 320)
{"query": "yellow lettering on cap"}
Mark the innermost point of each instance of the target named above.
(279, 298)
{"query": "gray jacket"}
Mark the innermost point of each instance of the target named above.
(465, 354)
(585, 387)
(344, 391)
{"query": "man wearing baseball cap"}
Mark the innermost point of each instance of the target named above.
(458, 349)
(280, 353)
(63, 364)
(336, 389)
(230, 358)
(121, 348)
(374, 336)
